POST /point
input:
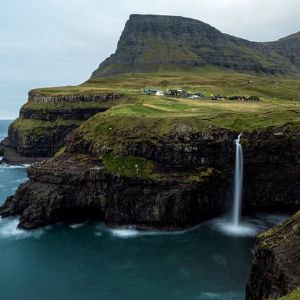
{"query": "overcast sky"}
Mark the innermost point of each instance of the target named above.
(59, 42)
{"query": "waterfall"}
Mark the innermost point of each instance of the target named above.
(234, 226)
(238, 182)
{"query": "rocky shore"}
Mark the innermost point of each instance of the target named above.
(175, 183)
(275, 270)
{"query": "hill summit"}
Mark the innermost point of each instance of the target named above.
(151, 43)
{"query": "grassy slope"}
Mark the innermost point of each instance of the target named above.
(38, 127)
(153, 118)
(295, 295)
(150, 116)
(208, 80)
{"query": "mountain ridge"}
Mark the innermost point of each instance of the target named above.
(150, 43)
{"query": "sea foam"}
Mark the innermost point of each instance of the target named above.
(9, 230)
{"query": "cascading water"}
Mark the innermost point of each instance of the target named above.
(234, 226)
(238, 182)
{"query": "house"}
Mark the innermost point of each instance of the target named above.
(152, 91)
(159, 93)
(193, 97)
(177, 93)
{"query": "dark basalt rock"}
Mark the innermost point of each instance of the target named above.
(65, 189)
(275, 269)
(59, 189)
(38, 145)
(81, 114)
(43, 141)
(152, 42)
(103, 97)
(288, 47)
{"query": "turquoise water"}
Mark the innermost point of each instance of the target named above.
(89, 261)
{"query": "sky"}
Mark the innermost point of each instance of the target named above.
(60, 42)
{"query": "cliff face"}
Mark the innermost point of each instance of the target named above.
(150, 43)
(57, 192)
(171, 183)
(288, 47)
(45, 121)
(275, 270)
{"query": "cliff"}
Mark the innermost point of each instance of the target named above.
(154, 172)
(151, 43)
(275, 270)
(47, 118)
(288, 47)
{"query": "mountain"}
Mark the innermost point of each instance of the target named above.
(150, 43)
(288, 47)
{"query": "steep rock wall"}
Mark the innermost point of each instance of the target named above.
(189, 184)
(275, 269)
(45, 121)
(65, 189)
(152, 42)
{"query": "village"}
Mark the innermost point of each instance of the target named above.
(180, 93)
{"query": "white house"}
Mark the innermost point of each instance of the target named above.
(159, 93)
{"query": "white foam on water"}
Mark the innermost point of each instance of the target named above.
(250, 227)
(244, 229)
(125, 233)
(76, 226)
(9, 230)
(241, 230)
(7, 166)
(131, 232)
(218, 296)
(21, 180)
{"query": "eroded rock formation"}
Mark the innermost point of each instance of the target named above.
(153, 42)
(190, 180)
(275, 270)
(45, 121)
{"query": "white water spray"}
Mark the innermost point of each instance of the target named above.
(238, 182)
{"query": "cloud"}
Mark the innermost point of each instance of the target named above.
(56, 42)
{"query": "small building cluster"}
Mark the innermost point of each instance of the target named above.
(237, 98)
(173, 93)
(183, 94)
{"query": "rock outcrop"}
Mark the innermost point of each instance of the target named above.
(275, 270)
(171, 183)
(288, 47)
(150, 43)
(66, 189)
(45, 121)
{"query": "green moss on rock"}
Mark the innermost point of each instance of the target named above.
(284, 233)
(38, 127)
(295, 295)
(203, 174)
(129, 166)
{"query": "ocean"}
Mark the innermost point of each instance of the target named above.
(90, 261)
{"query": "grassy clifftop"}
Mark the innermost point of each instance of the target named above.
(151, 117)
(209, 80)
(146, 117)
